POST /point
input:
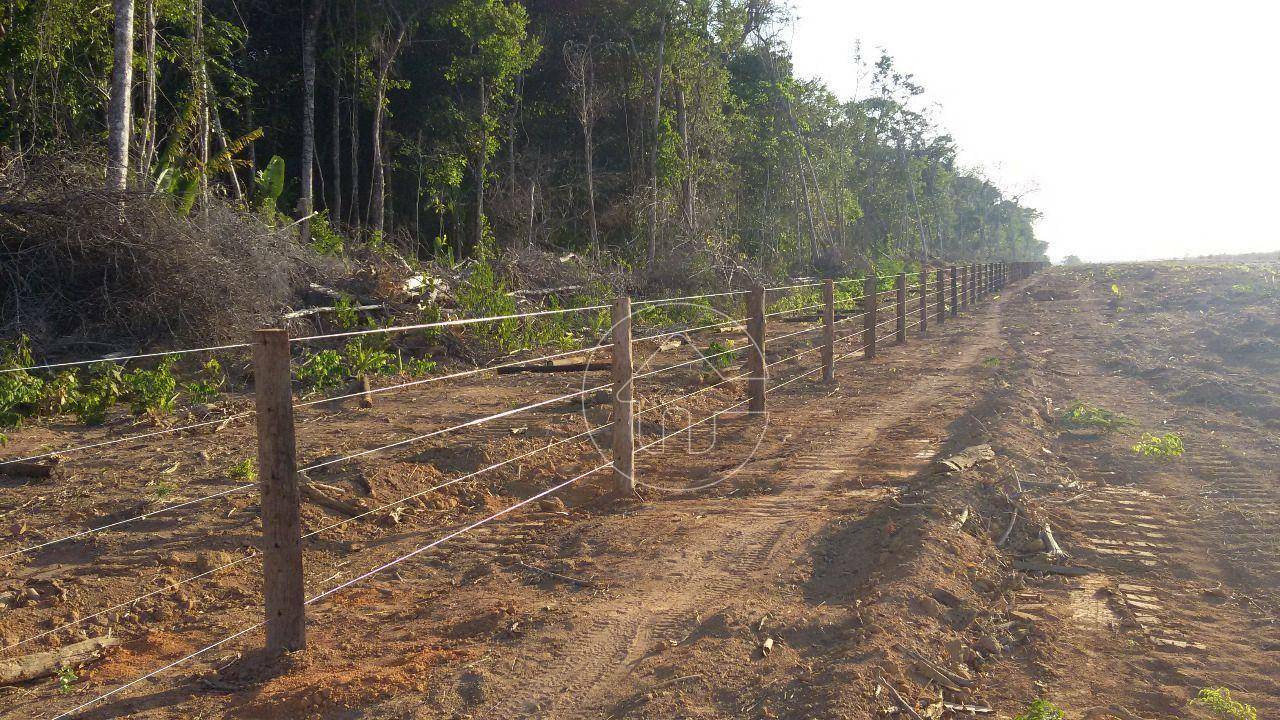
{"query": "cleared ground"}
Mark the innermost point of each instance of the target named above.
(838, 544)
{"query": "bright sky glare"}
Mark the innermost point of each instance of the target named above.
(1146, 128)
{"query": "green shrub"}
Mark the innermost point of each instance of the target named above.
(20, 391)
(322, 370)
(1083, 415)
(418, 366)
(324, 239)
(362, 356)
(152, 392)
(718, 355)
(1042, 710)
(1218, 701)
(344, 309)
(1168, 445)
(484, 295)
(58, 392)
(96, 395)
(207, 385)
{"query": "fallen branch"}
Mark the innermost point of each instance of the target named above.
(311, 492)
(898, 698)
(558, 576)
(308, 312)
(1009, 530)
(50, 662)
(943, 676)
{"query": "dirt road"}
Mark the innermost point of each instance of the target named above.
(838, 567)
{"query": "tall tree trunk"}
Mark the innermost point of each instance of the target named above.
(149, 111)
(354, 213)
(482, 165)
(202, 97)
(306, 199)
(686, 181)
(120, 117)
(387, 51)
(652, 250)
(335, 209)
(224, 144)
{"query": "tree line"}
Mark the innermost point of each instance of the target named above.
(666, 134)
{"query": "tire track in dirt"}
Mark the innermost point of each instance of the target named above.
(743, 544)
(1167, 610)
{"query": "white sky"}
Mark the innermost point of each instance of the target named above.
(1148, 129)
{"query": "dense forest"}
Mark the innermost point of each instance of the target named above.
(644, 132)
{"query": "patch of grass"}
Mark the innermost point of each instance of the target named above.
(245, 471)
(363, 356)
(1168, 445)
(1218, 701)
(1042, 710)
(1082, 415)
(162, 489)
(991, 362)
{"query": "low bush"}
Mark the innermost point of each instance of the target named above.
(1218, 701)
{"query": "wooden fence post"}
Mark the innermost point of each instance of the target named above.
(973, 283)
(282, 587)
(941, 297)
(955, 297)
(901, 326)
(871, 291)
(924, 299)
(758, 377)
(624, 446)
(828, 331)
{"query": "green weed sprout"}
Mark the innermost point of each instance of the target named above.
(1218, 701)
(1042, 710)
(66, 676)
(245, 471)
(718, 355)
(1168, 445)
(152, 391)
(1083, 415)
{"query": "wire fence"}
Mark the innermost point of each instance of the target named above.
(280, 471)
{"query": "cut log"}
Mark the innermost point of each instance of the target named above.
(30, 469)
(969, 457)
(48, 663)
(593, 366)
(366, 399)
(314, 494)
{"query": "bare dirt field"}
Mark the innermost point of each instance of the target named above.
(840, 572)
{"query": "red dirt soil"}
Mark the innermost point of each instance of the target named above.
(837, 568)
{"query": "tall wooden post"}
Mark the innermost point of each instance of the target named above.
(973, 282)
(282, 589)
(955, 298)
(872, 295)
(624, 446)
(941, 296)
(828, 331)
(758, 377)
(924, 300)
(901, 325)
